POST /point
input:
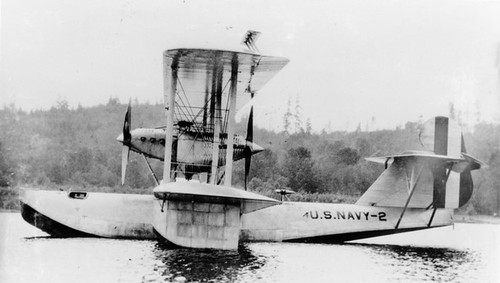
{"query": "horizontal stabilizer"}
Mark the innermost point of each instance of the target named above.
(457, 164)
(439, 177)
(474, 162)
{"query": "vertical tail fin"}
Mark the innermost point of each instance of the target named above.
(443, 136)
(444, 180)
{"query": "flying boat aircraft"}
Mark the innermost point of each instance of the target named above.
(417, 190)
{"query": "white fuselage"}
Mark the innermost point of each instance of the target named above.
(130, 216)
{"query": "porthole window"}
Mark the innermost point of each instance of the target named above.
(162, 141)
(77, 195)
(152, 140)
(143, 139)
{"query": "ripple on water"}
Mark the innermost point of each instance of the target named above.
(424, 263)
(28, 255)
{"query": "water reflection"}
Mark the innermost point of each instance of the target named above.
(252, 263)
(424, 263)
(470, 256)
(208, 266)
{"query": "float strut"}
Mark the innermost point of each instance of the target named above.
(151, 170)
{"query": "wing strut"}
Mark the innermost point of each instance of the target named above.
(216, 120)
(230, 121)
(169, 100)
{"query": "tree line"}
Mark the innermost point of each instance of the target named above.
(77, 148)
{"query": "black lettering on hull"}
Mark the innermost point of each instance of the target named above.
(343, 215)
(340, 215)
(314, 215)
(327, 214)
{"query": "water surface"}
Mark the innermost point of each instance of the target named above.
(464, 253)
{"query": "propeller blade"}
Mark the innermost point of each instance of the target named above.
(248, 149)
(250, 126)
(127, 137)
(125, 156)
(248, 161)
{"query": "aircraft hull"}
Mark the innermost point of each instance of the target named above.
(130, 216)
(98, 214)
(329, 223)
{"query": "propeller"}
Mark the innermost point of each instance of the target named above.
(248, 148)
(127, 140)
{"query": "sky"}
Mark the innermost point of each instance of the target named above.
(376, 63)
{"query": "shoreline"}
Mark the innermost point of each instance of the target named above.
(476, 219)
(3, 210)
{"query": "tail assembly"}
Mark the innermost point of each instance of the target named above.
(438, 177)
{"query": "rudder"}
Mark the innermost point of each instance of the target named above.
(443, 171)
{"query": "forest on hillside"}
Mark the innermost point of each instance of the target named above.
(76, 148)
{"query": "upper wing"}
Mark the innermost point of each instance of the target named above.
(202, 73)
